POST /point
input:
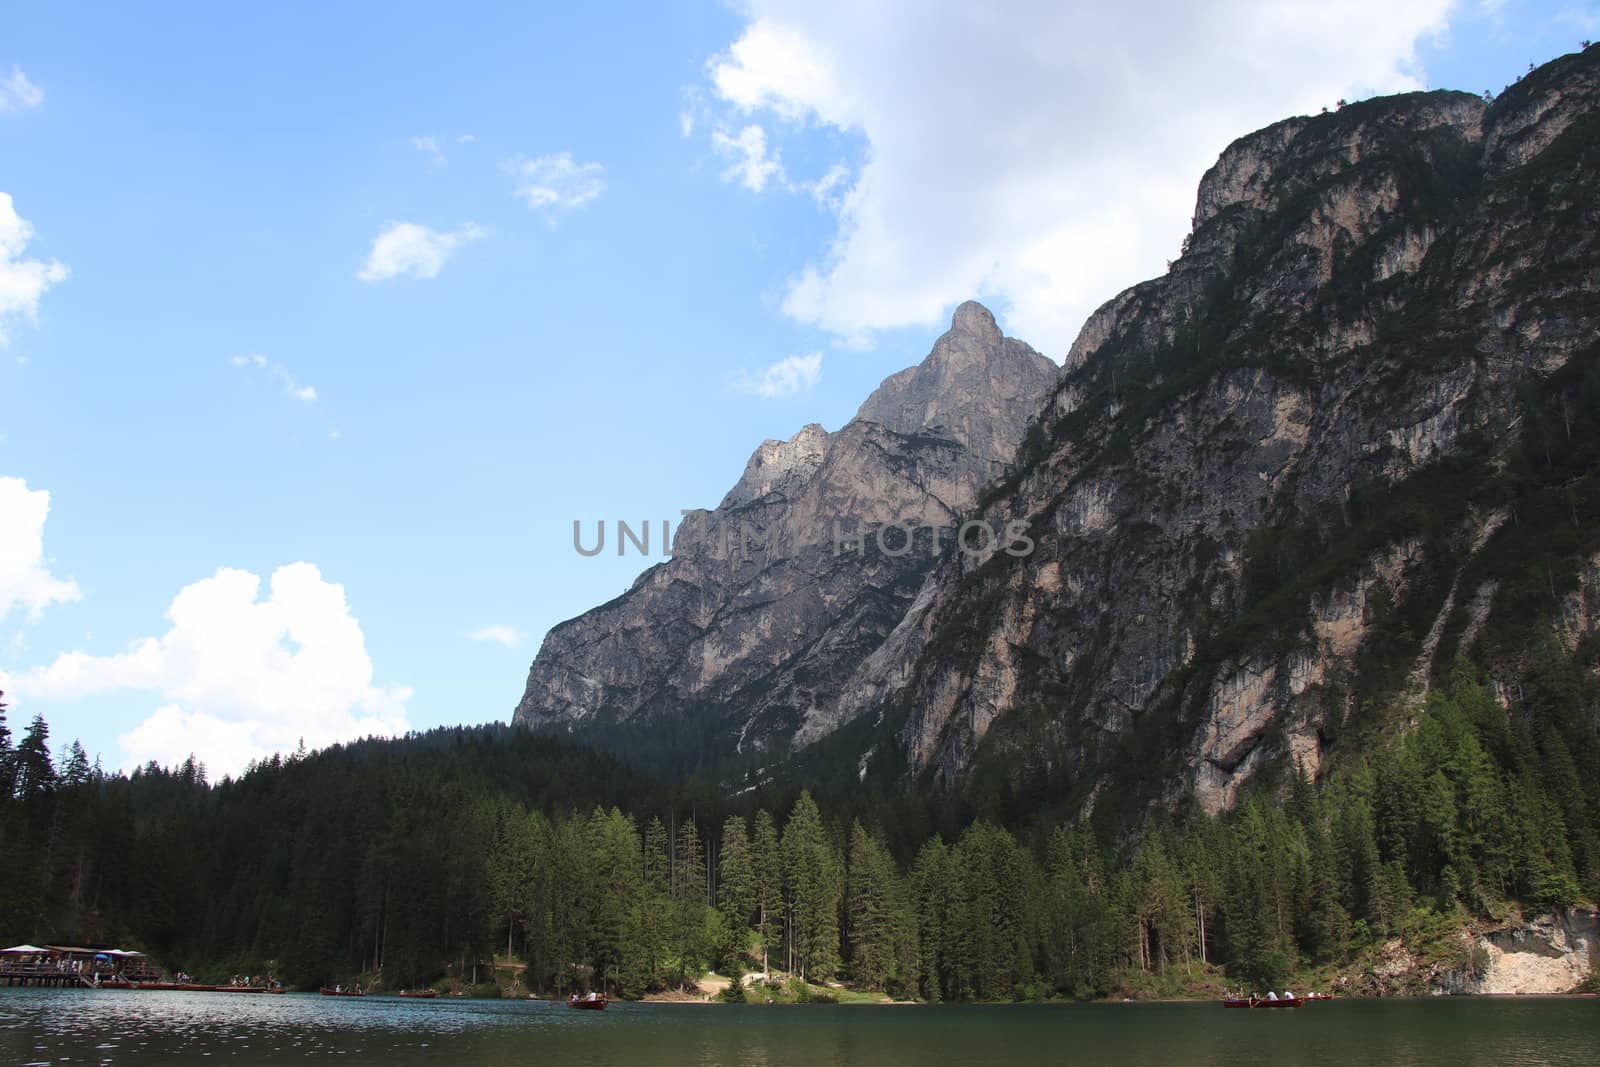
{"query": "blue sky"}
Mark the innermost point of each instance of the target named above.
(398, 292)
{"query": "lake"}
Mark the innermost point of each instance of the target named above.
(84, 1026)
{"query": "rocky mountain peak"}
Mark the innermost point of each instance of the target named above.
(973, 380)
(776, 465)
(743, 639)
(975, 319)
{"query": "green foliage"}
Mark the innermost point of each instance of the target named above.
(407, 861)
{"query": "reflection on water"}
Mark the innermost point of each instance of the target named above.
(106, 1026)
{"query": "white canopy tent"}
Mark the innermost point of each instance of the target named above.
(23, 950)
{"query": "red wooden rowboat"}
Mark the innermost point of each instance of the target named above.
(593, 1002)
(419, 994)
(327, 992)
(1262, 1002)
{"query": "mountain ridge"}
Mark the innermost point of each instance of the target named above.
(1274, 492)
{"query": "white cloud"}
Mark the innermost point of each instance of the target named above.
(509, 636)
(557, 182)
(751, 166)
(796, 374)
(429, 146)
(465, 138)
(826, 189)
(241, 677)
(278, 371)
(17, 93)
(1049, 153)
(25, 578)
(405, 248)
(22, 281)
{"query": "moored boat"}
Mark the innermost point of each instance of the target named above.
(592, 1002)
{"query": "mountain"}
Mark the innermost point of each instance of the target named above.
(1347, 445)
(740, 642)
(1352, 435)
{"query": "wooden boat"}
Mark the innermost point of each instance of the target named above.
(1262, 1002)
(590, 1003)
(419, 994)
(1317, 996)
(341, 992)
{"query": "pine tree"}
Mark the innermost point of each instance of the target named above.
(35, 774)
(766, 861)
(736, 893)
(689, 946)
(509, 868)
(930, 895)
(736, 887)
(870, 905)
(812, 885)
(75, 767)
(657, 860)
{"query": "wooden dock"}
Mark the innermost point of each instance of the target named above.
(45, 977)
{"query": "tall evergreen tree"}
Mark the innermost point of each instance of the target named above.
(736, 894)
(766, 861)
(812, 878)
(871, 902)
(35, 774)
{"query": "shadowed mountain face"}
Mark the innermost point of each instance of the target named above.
(1350, 439)
(1350, 436)
(741, 642)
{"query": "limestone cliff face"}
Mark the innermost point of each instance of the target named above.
(1281, 486)
(743, 639)
(1553, 953)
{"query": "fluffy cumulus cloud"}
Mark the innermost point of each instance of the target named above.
(557, 182)
(278, 372)
(17, 93)
(508, 636)
(25, 578)
(796, 374)
(22, 280)
(1039, 154)
(239, 676)
(406, 249)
